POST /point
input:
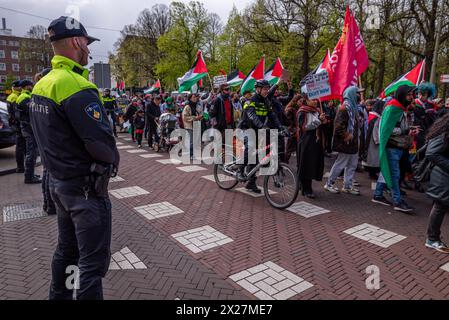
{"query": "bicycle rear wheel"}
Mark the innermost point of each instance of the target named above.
(281, 189)
(223, 179)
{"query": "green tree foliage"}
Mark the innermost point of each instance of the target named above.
(397, 34)
(180, 44)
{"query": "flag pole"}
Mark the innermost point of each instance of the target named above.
(362, 94)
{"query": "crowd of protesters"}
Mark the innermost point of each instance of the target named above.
(381, 137)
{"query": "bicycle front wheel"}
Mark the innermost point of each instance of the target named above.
(281, 189)
(223, 179)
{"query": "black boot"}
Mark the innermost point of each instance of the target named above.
(32, 180)
(252, 186)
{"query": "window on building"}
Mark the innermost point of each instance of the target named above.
(2, 66)
(29, 78)
(2, 54)
(40, 68)
(3, 42)
(26, 55)
(15, 67)
(2, 79)
(28, 68)
(14, 54)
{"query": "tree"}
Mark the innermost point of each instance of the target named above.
(37, 48)
(136, 50)
(180, 44)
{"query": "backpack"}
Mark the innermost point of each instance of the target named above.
(422, 167)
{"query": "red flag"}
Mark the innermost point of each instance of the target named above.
(200, 65)
(361, 53)
(157, 84)
(343, 63)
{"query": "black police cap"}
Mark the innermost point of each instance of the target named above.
(25, 83)
(16, 84)
(67, 27)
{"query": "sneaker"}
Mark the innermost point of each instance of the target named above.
(403, 207)
(310, 195)
(406, 185)
(438, 246)
(353, 191)
(383, 201)
(139, 146)
(331, 189)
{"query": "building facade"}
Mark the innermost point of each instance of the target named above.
(21, 57)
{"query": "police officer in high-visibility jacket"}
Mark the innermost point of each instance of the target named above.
(78, 149)
(14, 122)
(110, 104)
(257, 114)
(23, 105)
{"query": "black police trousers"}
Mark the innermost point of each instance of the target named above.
(31, 149)
(84, 240)
(20, 149)
(49, 204)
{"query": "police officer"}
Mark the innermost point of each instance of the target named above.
(110, 104)
(15, 125)
(23, 104)
(78, 149)
(48, 205)
(257, 113)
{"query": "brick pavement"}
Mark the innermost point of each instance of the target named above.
(313, 246)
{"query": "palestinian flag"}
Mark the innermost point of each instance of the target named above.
(274, 73)
(321, 67)
(154, 88)
(195, 74)
(411, 78)
(257, 73)
(390, 117)
(235, 78)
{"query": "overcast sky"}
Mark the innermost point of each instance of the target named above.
(112, 14)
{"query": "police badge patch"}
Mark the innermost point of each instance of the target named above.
(94, 111)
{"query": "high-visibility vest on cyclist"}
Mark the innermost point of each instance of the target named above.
(256, 113)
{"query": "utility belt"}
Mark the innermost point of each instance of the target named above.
(99, 178)
(97, 182)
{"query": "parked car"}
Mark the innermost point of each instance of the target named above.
(7, 135)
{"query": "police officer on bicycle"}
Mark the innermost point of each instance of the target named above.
(257, 113)
(78, 149)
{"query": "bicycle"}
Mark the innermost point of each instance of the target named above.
(283, 184)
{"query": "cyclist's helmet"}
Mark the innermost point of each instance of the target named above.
(262, 84)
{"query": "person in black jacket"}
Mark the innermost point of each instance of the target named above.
(129, 116)
(257, 113)
(139, 125)
(278, 104)
(223, 110)
(438, 154)
(152, 114)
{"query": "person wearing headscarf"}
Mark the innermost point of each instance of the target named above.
(310, 153)
(424, 111)
(346, 143)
